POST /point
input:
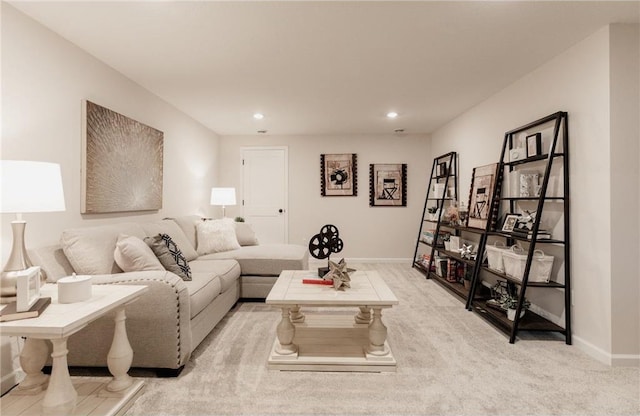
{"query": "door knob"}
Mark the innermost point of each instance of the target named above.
(280, 211)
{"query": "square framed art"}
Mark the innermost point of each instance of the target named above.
(481, 196)
(388, 185)
(339, 174)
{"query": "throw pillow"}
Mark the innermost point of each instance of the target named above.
(168, 259)
(215, 236)
(132, 255)
(245, 234)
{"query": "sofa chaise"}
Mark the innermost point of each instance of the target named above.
(172, 318)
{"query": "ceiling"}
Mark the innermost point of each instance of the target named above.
(325, 67)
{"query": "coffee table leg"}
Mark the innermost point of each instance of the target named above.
(296, 315)
(285, 332)
(120, 355)
(60, 397)
(377, 334)
(32, 358)
(364, 316)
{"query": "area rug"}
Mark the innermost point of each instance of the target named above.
(450, 362)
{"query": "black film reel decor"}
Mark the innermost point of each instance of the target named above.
(324, 243)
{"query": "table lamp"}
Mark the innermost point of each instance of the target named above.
(26, 187)
(224, 197)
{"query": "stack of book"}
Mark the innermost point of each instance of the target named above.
(9, 311)
(528, 234)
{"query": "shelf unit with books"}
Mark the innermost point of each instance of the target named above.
(541, 173)
(448, 267)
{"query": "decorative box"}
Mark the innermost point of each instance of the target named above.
(515, 260)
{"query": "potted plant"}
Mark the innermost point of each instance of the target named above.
(509, 303)
(239, 219)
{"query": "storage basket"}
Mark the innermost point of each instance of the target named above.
(515, 260)
(494, 255)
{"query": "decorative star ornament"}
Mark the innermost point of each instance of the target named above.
(339, 273)
(465, 251)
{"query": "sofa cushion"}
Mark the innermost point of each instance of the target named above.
(245, 234)
(227, 270)
(203, 289)
(134, 255)
(168, 260)
(90, 249)
(266, 259)
(172, 229)
(187, 224)
(216, 236)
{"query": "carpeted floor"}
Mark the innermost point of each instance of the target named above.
(450, 362)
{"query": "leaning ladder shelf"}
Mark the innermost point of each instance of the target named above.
(444, 173)
(531, 321)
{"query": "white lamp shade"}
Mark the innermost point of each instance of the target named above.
(223, 196)
(30, 187)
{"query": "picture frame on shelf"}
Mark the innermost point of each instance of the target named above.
(481, 196)
(339, 174)
(442, 169)
(27, 288)
(388, 185)
(510, 221)
(534, 145)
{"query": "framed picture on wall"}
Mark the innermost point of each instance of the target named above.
(338, 174)
(481, 195)
(388, 185)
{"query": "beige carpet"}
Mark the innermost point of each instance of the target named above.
(450, 362)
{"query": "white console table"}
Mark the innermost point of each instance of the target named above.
(84, 395)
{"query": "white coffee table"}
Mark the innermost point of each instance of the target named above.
(56, 324)
(331, 339)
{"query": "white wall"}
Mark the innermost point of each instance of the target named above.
(44, 80)
(368, 233)
(577, 81)
(625, 197)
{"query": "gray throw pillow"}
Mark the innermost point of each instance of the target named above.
(169, 257)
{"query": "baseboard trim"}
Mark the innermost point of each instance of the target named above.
(315, 262)
(614, 360)
(9, 381)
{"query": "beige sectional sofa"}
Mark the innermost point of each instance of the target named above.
(171, 319)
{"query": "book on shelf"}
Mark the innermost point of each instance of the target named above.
(9, 312)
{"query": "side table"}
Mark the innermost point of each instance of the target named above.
(56, 324)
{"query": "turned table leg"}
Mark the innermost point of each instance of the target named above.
(296, 316)
(120, 355)
(32, 358)
(377, 334)
(364, 316)
(285, 332)
(60, 397)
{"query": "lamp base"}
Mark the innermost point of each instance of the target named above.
(18, 260)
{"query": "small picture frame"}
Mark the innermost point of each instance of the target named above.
(442, 169)
(510, 221)
(27, 288)
(534, 145)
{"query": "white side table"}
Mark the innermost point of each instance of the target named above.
(56, 324)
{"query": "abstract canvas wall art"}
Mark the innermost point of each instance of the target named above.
(121, 163)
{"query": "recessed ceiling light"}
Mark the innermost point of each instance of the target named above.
(399, 130)
(258, 116)
(262, 131)
(392, 114)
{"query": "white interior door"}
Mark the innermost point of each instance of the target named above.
(265, 184)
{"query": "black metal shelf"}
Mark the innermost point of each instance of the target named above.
(533, 159)
(518, 282)
(530, 321)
